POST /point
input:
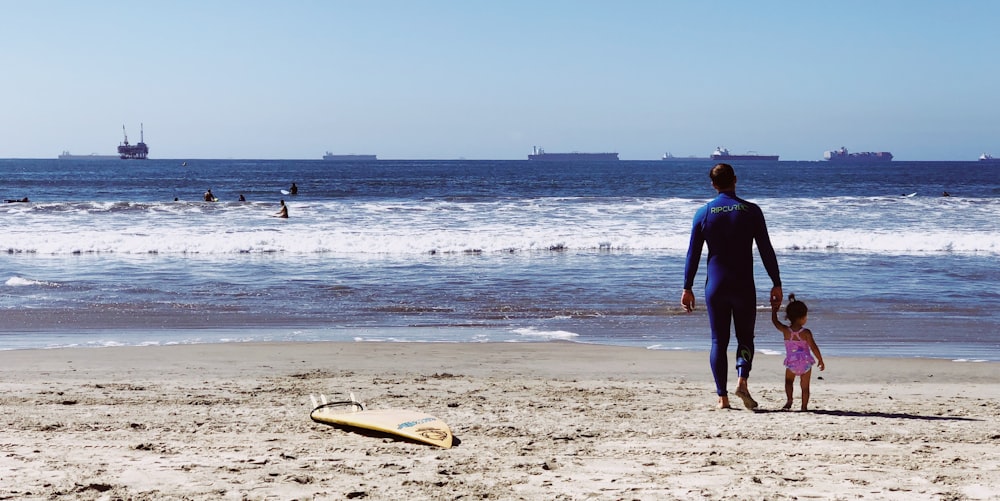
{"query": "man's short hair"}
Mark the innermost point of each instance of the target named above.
(723, 176)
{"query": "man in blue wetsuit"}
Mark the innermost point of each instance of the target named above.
(730, 226)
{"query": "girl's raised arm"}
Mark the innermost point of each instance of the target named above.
(774, 319)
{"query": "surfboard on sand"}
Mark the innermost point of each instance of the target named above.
(408, 424)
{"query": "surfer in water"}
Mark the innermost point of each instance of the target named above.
(730, 226)
(209, 197)
(283, 211)
(294, 190)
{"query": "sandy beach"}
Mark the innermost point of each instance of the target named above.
(532, 421)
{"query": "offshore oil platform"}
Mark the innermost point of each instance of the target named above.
(133, 151)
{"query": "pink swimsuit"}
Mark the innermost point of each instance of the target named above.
(798, 359)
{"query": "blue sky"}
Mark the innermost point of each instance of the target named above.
(487, 80)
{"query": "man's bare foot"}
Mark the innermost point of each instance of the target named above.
(748, 401)
(724, 403)
(787, 406)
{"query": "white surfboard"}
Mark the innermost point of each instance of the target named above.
(285, 192)
(410, 424)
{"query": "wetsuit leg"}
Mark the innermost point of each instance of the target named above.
(720, 314)
(744, 320)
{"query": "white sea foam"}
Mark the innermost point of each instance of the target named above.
(534, 333)
(864, 225)
(21, 282)
(664, 348)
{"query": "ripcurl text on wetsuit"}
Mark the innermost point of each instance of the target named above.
(730, 225)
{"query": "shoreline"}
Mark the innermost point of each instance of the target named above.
(765, 347)
(548, 420)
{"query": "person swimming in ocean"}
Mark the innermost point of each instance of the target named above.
(283, 212)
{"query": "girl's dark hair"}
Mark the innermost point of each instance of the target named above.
(796, 309)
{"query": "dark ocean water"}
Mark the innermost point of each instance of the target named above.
(470, 251)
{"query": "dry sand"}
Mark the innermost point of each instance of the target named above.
(533, 421)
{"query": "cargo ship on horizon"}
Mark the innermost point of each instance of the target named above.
(133, 151)
(349, 158)
(842, 155)
(669, 157)
(66, 155)
(540, 154)
(723, 154)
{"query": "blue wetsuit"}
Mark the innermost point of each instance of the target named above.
(730, 225)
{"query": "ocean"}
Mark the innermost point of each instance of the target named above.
(111, 252)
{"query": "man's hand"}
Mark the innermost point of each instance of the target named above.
(687, 300)
(776, 297)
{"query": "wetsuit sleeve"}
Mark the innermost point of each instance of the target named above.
(694, 249)
(767, 252)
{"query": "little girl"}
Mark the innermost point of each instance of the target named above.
(798, 343)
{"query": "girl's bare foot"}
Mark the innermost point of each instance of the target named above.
(788, 405)
(724, 403)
